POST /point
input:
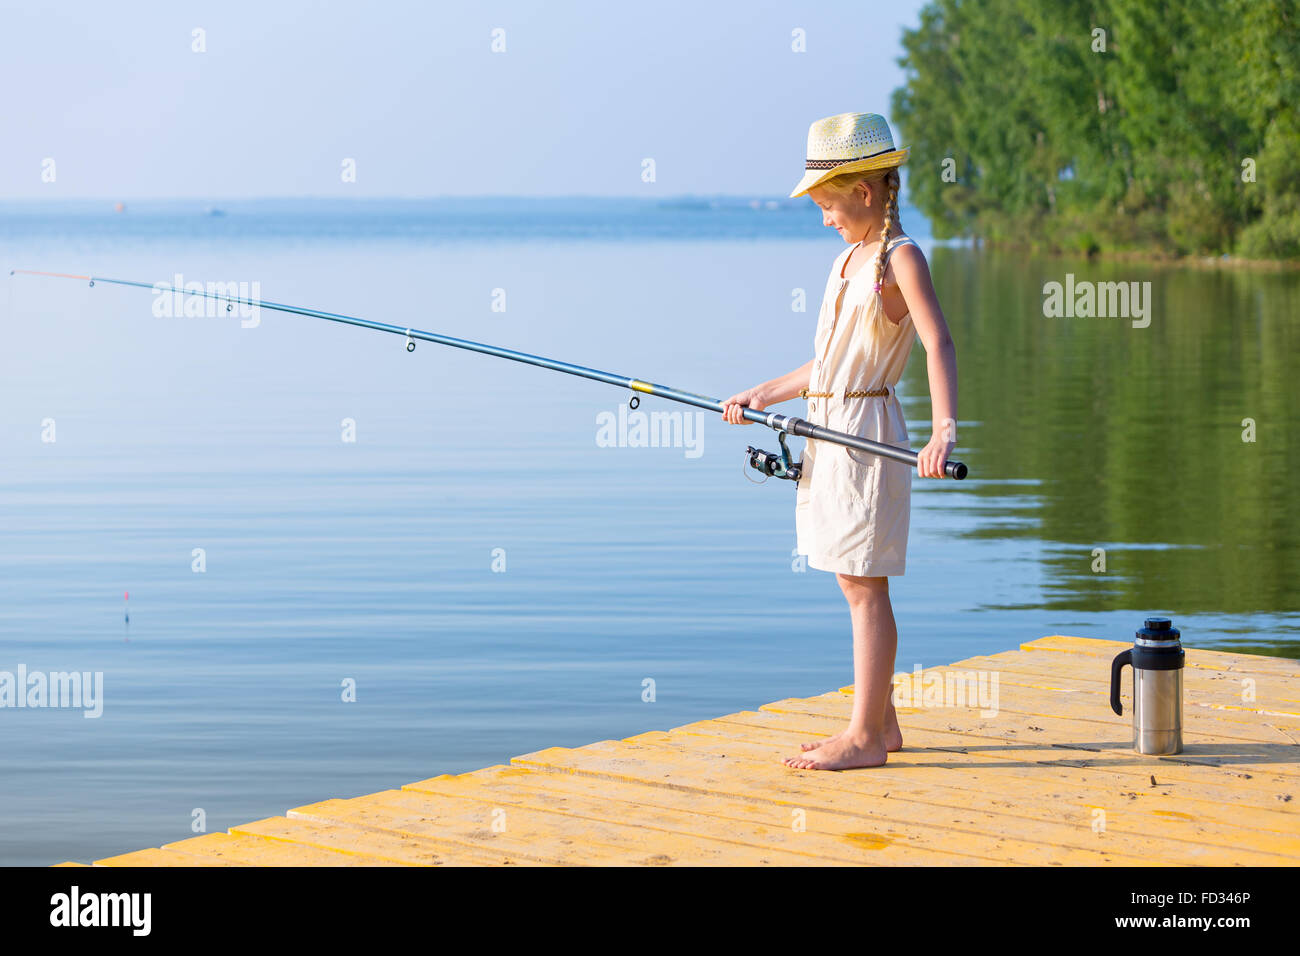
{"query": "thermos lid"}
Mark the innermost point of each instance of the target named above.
(1158, 629)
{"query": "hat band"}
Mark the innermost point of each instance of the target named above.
(832, 163)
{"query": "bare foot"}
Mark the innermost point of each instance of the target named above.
(843, 752)
(893, 738)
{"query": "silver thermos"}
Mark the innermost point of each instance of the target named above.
(1157, 660)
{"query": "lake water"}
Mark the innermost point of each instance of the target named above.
(378, 562)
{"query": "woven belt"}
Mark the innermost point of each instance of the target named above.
(869, 393)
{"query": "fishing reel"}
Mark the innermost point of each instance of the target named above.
(773, 465)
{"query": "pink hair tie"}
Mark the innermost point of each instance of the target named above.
(876, 287)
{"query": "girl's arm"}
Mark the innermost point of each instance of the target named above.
(913, 277)
(769, 393)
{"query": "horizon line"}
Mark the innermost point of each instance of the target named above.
(751, 197)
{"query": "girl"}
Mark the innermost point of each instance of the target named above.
(852, 508)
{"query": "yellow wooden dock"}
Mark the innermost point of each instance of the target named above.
(1050, 779)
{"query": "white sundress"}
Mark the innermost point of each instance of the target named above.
(853, 508)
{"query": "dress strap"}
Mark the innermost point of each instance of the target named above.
(888, 250)
(898, 241)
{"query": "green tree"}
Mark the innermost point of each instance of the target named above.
(1106, 124)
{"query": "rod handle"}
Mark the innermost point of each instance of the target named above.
(955, 469)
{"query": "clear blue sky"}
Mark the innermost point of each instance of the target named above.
(287, 89)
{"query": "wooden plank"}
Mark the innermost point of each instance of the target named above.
(986, 763)
(1092, 706)
(157, 857)
(408, 851)
(258, 851)
(859, 843)
(1196, 657)
(1204, 741)
(747, 768)
(1028, 799)
(542, 835)
(1212, 689)
(1067, 652)
(1286, 679)
(1046, 797)
(843, 833)
(1257, 785)
(1247, 764)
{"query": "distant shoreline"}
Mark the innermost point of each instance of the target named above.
(1150, 258)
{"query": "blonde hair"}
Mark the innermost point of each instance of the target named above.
(845, 183)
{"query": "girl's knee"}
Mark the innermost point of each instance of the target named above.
(862, 589)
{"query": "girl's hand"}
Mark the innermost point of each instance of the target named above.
(931, 459)
(750, 398)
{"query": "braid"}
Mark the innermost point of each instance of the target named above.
(891, 182)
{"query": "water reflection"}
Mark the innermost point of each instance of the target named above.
(1124, 444)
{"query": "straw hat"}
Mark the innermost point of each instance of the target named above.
(848, 143)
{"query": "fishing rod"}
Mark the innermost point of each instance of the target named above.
(772, 464)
